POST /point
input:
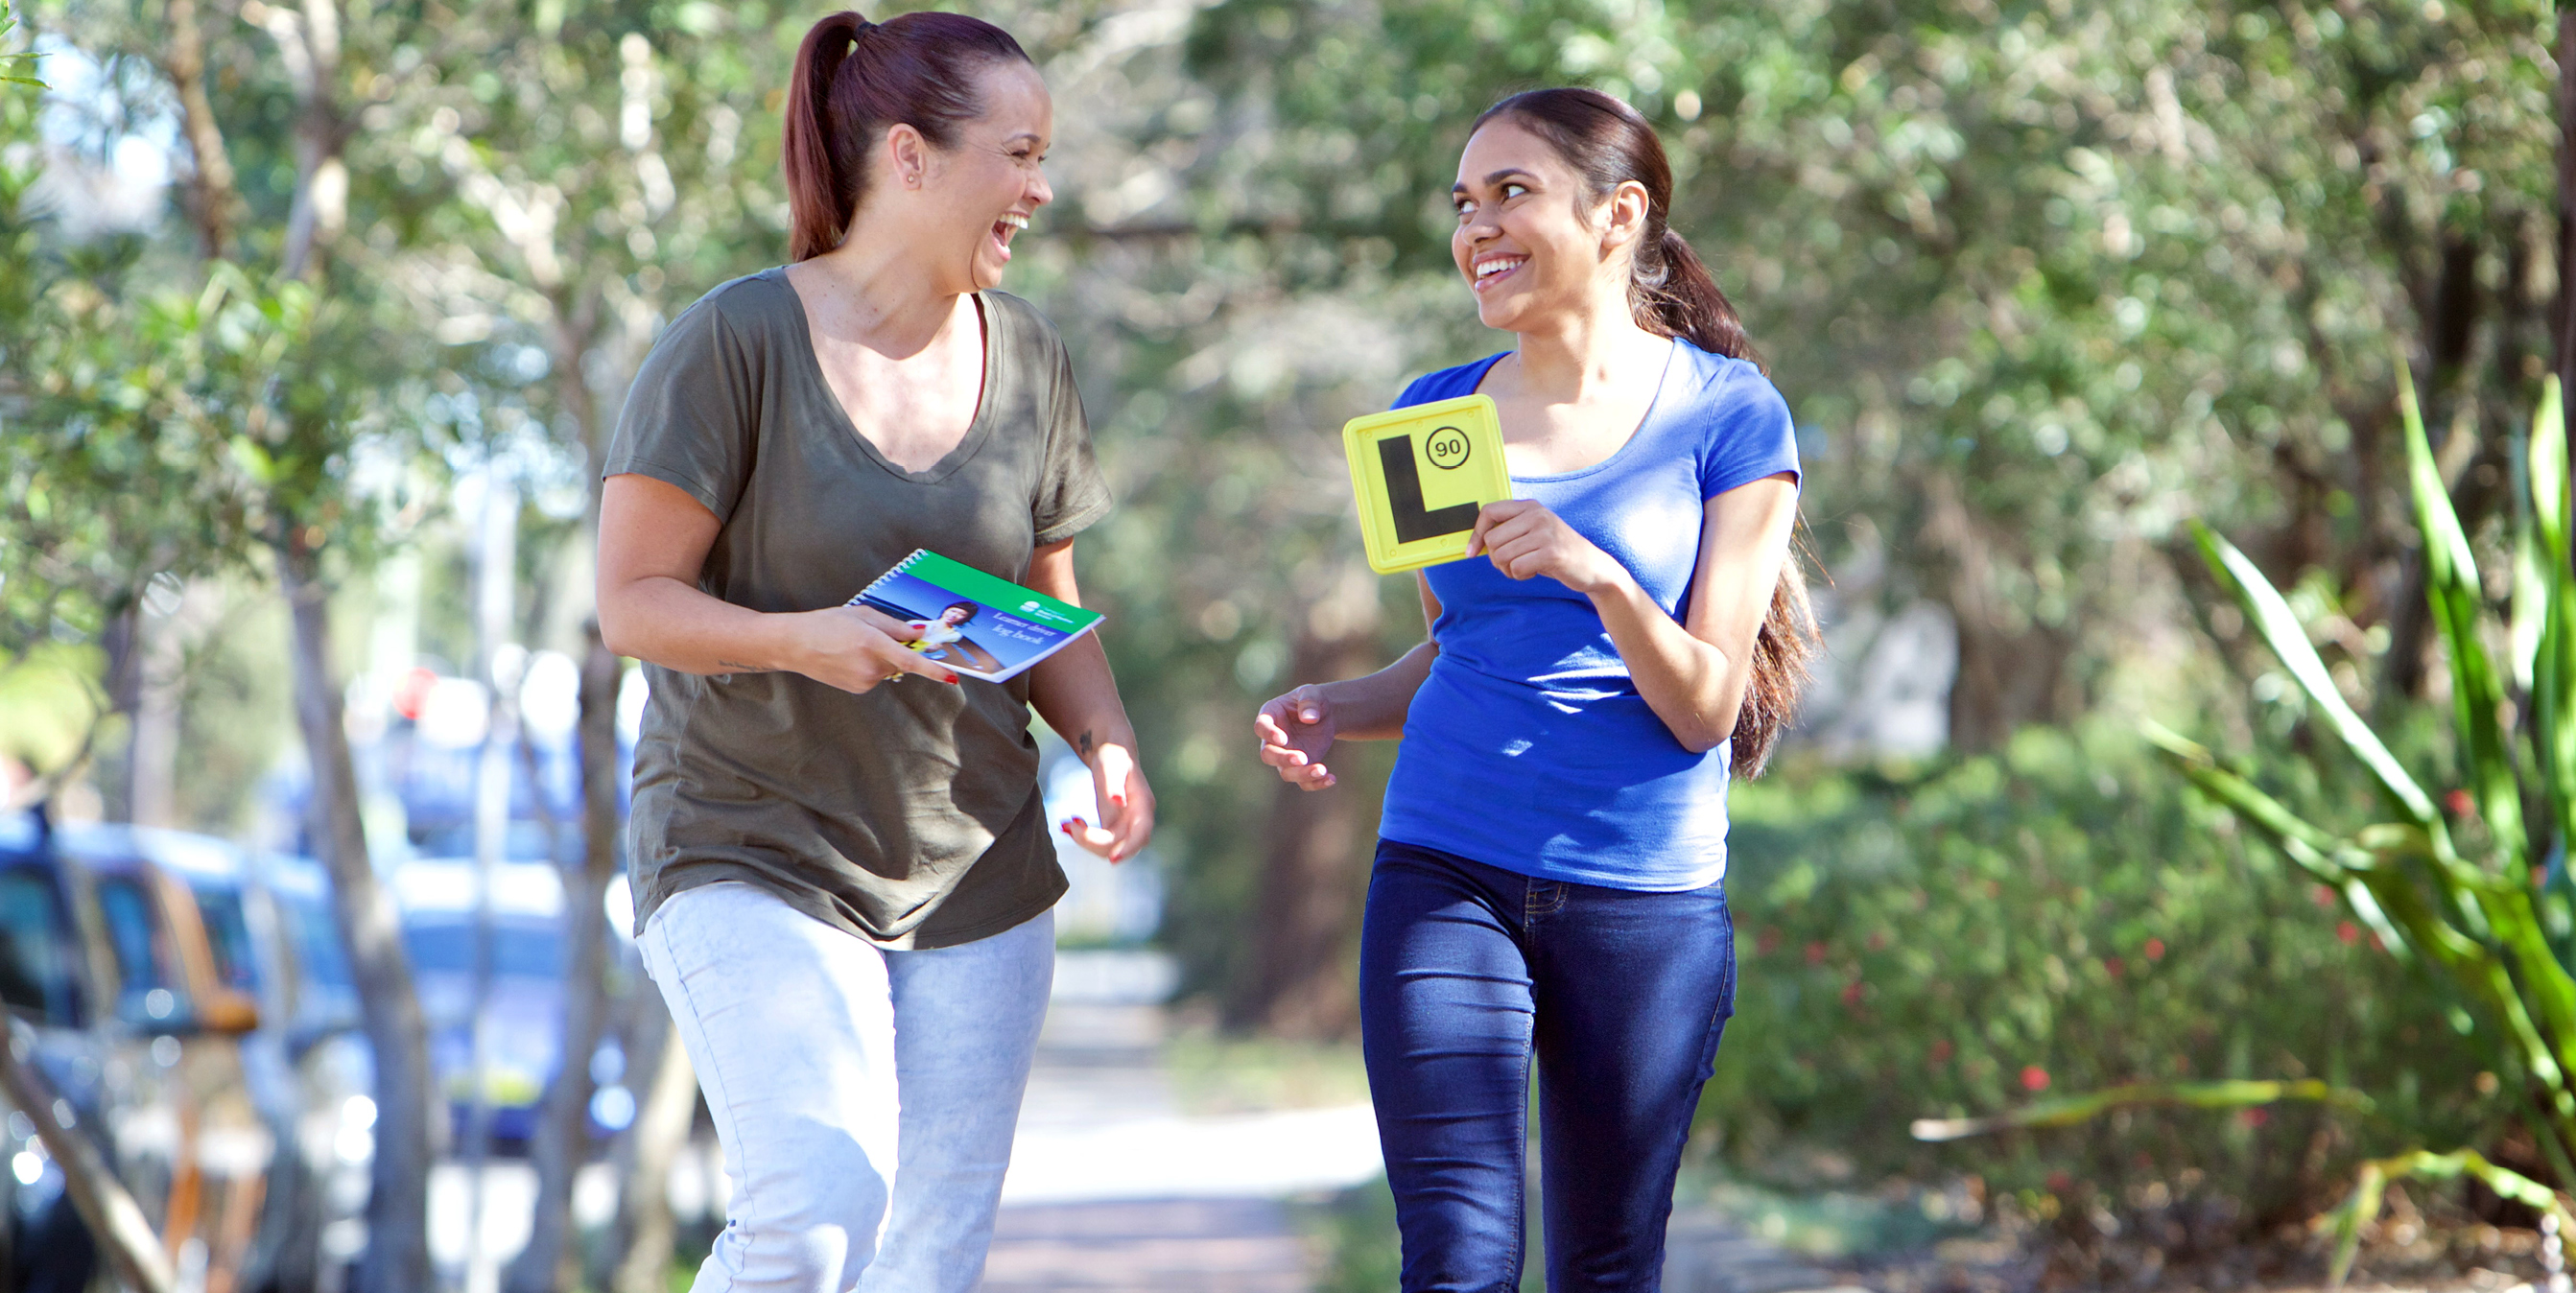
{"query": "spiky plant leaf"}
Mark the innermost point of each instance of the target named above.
(2281, 630)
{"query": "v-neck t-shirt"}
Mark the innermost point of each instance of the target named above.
(1528, 746)
(909, 815)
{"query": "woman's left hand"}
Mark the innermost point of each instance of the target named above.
(1526, 540)
(1126, 806)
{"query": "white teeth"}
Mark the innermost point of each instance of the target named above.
(1014, 221)
(1493, 267)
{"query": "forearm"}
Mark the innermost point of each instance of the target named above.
(676, 626)
(1076, 695)
(1373, 707)
(1690, 683)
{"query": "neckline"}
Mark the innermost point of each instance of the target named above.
(978, 427)
(1654, 405)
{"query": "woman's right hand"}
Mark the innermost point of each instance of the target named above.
(855, 648)
(1295, 731)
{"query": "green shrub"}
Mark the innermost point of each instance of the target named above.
(2066, 916)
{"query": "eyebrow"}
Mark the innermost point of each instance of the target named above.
(1494, 178)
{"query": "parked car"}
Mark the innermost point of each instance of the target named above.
(205, 1050)
(523, 1036)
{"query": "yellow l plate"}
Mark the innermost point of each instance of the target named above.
(1420, 474)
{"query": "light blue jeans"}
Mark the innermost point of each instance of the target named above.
(865, 1099)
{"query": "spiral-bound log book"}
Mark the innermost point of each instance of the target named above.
(974, 623)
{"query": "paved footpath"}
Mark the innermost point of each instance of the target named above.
(1114, 1190)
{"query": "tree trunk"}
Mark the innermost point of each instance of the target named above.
(1313, 878)
(114, 1220)
(2566, 312)
(550, 1261)
(645, 1232)
(2006, 681)
(407, 1102)
(2011, 673)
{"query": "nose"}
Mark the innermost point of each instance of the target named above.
(1039, 191)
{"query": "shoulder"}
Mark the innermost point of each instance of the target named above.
(1731, 391)
(745, 310)
(1016, 322)
(1738, 422)
(1448, 383)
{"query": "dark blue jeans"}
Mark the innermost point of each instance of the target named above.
(1468, 970)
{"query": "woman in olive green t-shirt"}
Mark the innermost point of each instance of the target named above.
(843, 883)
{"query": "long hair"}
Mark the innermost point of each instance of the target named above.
(853, 79)
(1671, 294)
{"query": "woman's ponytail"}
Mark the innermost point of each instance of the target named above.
(1671, 292)
(853, 79)
(1679, 297)
(1677, 291)
(816, 207)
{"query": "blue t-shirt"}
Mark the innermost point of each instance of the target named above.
(1528, 747)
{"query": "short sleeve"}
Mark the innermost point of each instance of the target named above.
(1071, 492)
(1750, 434)
(692, 418)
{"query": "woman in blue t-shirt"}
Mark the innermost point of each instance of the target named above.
(1550, 869)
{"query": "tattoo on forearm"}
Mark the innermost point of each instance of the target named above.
(1084, 744)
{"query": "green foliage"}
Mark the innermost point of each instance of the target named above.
(10, 60)
(2062, 917)
(2456, 888)
(2348, 1220)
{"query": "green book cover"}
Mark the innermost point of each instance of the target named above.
(977, 624)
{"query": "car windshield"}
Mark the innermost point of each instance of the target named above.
(147, 989)
(36, 971)
(228, 937)
(519, 947)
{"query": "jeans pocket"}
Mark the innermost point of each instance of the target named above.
(688, 928)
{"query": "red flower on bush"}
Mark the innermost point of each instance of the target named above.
(1940, 1050)
(2459, 803)
(1816, 953)
(1851, 994)
(2034, 1078)
(2325, 895)
(2253, 1117)
(1878, 940)
(2348, 932)
(2155, 949)
(2060, 1183)
(2114, 965)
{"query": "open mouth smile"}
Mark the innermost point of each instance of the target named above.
(1004, 228)
(1494, 269)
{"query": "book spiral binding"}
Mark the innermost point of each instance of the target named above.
(880, 582)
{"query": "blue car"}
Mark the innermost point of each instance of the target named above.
(204, 1052)
(523, 1029)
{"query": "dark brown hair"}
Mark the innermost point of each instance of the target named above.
(854, 79)
(1671, 294)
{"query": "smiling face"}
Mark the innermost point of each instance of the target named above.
(956, 615)
(1532, 241)
(983, 191)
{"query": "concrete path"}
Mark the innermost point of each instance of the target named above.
(1113, 1189)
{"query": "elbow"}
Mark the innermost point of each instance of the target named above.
(1706, 732)
(615, 632)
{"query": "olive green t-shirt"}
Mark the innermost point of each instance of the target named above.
(908, 816)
